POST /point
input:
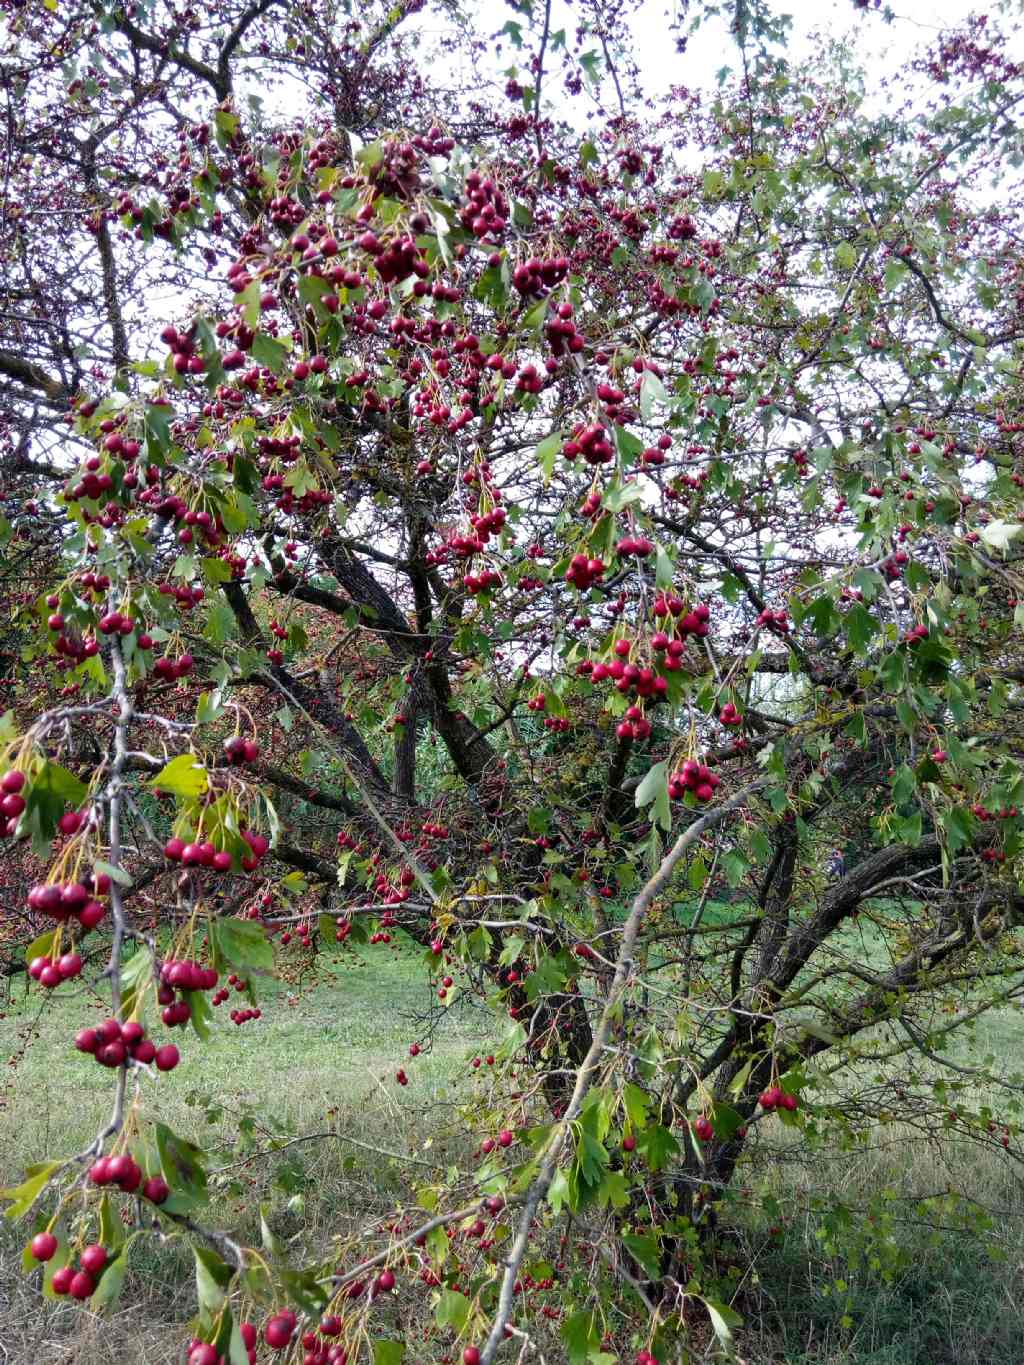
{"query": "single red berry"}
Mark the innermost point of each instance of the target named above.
(44, 1246)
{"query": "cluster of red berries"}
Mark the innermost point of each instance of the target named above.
(777, 621)
(51, 973)
(504, 1139)
(236, 1016)
(126, 1173)
(436, 831)
(777, 1098)
(592, 443)
(238, 750)
(693, 777)
(655, 455)
(170, 669)
(694, 622)
(635, 724)
(114, 1044)
(533, 278)
(80, 1283)
(729, 715)
(74, 648)
(583, 573)
(186, 597)
(562, 333)
(240, 1017)
(197, 855)
(72, 900)
(181, 976)
(279, 1330)
(183, 351)
(638, 546)
(204, 854)
(916, 634)
(486, 210)
(202, 1353)
(12, 803)
(481, 582)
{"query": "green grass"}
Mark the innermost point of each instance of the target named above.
(323, 1059)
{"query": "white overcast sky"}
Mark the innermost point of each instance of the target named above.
(881, 47)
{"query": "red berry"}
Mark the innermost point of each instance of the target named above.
(167, 1057)
(44, 1246)
(278, 1332)
(156, 1190)
(94, 1258)
(82, 1286)
(62, 1278)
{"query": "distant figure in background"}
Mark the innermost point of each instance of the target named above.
(836, 865)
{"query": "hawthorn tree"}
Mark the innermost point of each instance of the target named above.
(598, 529)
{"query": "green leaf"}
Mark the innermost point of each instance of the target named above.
(267, 1233)
(998, 534)
(23, 1196)
(657, 1145)
(111, 1281)
(388, 1352)
(581, 1335)
(216, 571)
(547, 453)
(268, 352)
(635, 1102)
(52, 791)
(664, 570)
(183, 776)
(248, 303)
(533, 319)
(725, 1121)
(41, 946)
(652, 391)
(213, 1275)
(180, 1162)
(651, 784)
(305, 1289)
(846, 256)
(221, 624)
(614, 1190)
(959, 827)
(136, 971)
(312, 289)
(111, 1227)
(201, 1016)
(209, 707)
(116, 874)
(559, 1193)
(861, 626)
(723, 1319)
(242, 943)
(452, 1310)
(646, 1252)
(654, 788)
